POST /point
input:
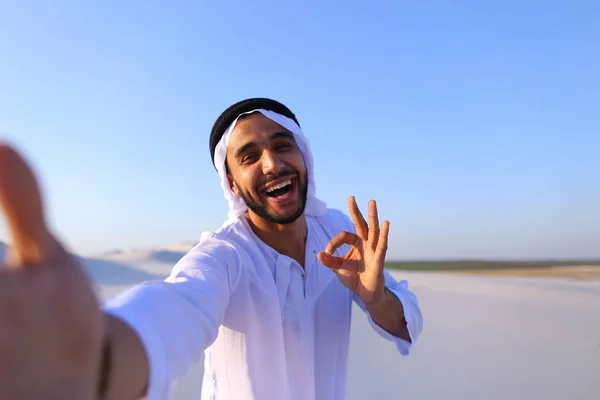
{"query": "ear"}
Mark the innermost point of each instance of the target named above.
(232, 185)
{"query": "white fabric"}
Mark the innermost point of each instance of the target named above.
(237, 207)
(271, 330)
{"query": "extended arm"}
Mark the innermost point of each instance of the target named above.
(53, 329)
(158, 330)
(125, 367)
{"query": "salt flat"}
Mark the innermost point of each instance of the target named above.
(485, 337)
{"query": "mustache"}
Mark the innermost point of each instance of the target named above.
(288, 172)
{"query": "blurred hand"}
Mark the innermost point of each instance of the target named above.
(50, 324)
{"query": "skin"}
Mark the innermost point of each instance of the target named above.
(53, 333)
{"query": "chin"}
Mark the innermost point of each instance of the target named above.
(279, 218)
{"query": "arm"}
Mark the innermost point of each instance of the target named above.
(53, 328)
(125, 367)
(388, 313)
(357, 256)
(397, 317)
(157, 330)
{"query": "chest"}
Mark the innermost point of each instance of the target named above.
(275, 288)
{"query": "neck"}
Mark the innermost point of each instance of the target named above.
(287, 239)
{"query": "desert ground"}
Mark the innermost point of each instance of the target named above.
(486, 335)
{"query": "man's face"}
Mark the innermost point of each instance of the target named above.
(266, 169)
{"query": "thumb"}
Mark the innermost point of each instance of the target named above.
(330, 261)
(21, 201)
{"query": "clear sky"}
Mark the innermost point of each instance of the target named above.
(475, 125)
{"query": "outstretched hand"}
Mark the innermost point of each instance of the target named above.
(50, 323)
(361, 269)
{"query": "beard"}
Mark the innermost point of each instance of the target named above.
(262, 211)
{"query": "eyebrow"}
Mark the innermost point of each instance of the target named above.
(275, 135)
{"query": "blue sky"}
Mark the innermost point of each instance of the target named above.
(475, 125)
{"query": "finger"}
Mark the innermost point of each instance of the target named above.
(373, 224)
(359, 221)
(382, 244)
(332, 262)
(340, 239)
(21, 201)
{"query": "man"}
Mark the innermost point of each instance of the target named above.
(267, 298)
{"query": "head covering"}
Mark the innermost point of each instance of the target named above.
(235, 110)
(278, 113)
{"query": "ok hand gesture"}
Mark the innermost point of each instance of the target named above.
(361, 269)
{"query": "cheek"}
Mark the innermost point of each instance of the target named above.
(298, 163)
(247, 181)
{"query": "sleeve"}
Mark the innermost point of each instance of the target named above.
(412, 314)
(178, 318)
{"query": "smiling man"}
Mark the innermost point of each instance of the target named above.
(267, 298)
(280, 181)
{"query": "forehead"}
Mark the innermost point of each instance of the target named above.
(253, 127)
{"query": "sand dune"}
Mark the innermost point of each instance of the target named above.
(160, 255)
(110, 272)
(107, 271)
(169, 254)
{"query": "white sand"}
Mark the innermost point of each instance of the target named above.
(484, 338)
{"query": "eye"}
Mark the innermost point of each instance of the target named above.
(283, 146)
(250, 157)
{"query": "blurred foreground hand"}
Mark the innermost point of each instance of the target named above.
(50, 324)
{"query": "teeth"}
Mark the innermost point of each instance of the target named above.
(279, 186)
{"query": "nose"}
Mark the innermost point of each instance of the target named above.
(271, 163)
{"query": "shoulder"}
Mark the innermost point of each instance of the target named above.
(217, 252)
(335, 220)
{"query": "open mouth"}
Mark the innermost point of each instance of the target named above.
(281, 189)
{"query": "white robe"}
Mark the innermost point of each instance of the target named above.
(268, 328)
